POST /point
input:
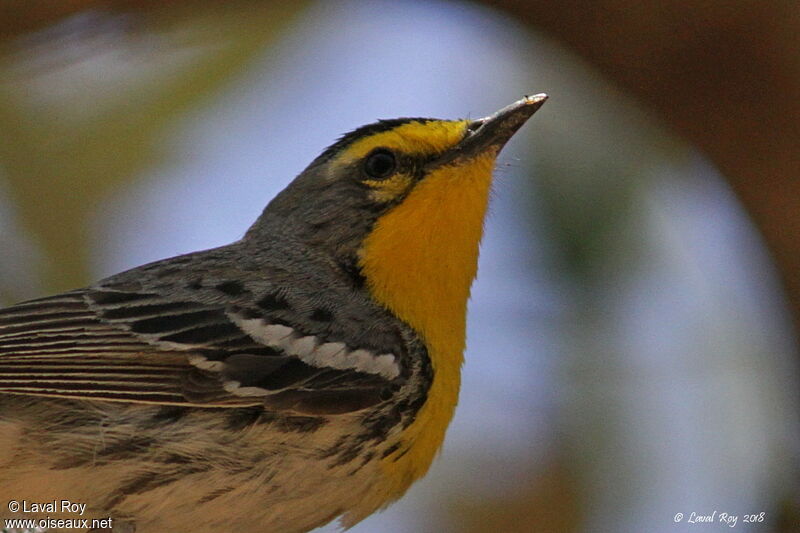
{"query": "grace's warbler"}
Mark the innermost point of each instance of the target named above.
(305, 372)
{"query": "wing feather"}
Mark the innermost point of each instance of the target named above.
(135, 346)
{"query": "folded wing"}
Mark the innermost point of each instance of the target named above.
(136, 346)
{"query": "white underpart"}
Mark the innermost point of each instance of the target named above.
(312, 351)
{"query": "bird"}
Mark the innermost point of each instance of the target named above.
(304, 373)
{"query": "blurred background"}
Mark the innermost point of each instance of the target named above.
(632, 333)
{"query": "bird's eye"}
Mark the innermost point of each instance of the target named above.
(380, 164)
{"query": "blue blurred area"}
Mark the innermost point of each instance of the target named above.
(663, 371)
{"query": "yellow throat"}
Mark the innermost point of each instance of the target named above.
(419, 261)
(421, 256)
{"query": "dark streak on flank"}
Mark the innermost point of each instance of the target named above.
(239, 419)
(401, 454)
(367, 458)
(132, 448)
(348, 455)
(175, 459)
(390, 450)
(146, 482)
(295, 424)
(336, 448)
(126, 449)
(167, 415)
(213, 495)
(152, 480)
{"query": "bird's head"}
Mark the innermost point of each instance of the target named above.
(401, 203)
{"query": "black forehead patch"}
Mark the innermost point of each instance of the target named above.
(365, 131)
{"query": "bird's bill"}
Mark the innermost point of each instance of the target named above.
(493, 132)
